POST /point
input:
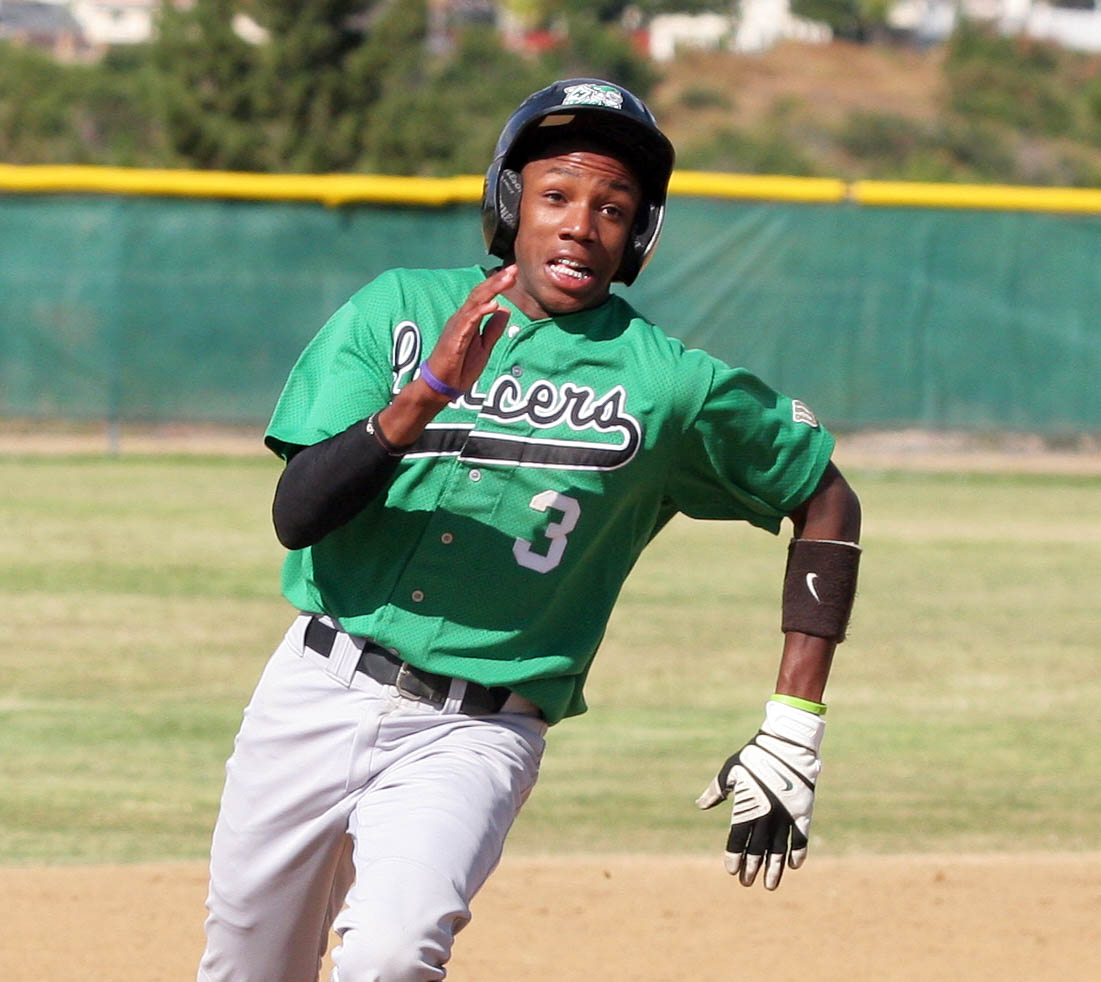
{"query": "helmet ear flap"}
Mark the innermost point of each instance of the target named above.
(501, 209)
(644, 238)
(509, 188)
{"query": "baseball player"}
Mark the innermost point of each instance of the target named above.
(475, 460)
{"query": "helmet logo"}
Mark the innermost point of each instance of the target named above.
(590, 94)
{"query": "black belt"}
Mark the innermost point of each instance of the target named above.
(384, 666)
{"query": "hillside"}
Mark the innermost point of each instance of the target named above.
(829, 81)
(987, 112)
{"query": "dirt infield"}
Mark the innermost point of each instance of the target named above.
(1029, 918)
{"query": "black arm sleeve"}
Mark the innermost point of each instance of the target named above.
(328, 484)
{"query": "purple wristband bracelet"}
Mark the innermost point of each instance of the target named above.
(441, 387)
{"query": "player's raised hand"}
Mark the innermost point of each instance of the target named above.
(461, 353)
(772, 780)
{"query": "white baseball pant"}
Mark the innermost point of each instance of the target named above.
(341, 791)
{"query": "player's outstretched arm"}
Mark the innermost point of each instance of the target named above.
(773, 778)
(325, 485)
(459, 357)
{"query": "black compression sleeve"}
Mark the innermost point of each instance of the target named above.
(326, 485)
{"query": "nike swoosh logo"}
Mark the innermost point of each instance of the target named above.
(811, 577)
(783, 777)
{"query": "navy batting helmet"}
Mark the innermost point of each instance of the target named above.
(599, 110)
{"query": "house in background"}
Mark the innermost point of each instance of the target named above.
(110, 22)
(49, 27)
(90, 27)
(1072, 24)
(82, 29)
(99, 23)
(752, 26)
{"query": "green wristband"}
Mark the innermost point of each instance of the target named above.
(818, 708)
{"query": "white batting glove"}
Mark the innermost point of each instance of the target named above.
(772, 778)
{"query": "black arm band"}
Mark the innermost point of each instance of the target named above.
(326, 485)
(819, 587)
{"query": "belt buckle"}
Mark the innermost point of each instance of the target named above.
(410, 686)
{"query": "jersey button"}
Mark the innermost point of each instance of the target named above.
(417, 595)
(447, 538)
(513, 330)
(517, 371)
(475, 475)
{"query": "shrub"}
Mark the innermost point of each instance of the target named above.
(748, 152)
(1011, 81)
(698, 97)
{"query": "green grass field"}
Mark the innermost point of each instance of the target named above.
(140, 600)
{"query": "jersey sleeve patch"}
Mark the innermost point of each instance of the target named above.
(801, 413)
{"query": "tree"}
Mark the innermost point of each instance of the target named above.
(441, 116)
(855, 20)
(205, 87)
(297, 102)
(36, 117)
(83, 114)
(315, 78)
(604, 51)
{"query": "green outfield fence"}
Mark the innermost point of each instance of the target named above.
(155, 296)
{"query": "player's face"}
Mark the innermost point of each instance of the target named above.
(576, 213)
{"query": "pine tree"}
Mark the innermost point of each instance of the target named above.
(205, 82)
(312, 101)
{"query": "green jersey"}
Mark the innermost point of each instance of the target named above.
(499, 548)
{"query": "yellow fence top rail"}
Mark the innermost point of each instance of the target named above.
(1001, 197)
(329, 189)
(760, 187)
(345, 189)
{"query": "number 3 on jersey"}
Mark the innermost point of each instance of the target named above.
(555, 532)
